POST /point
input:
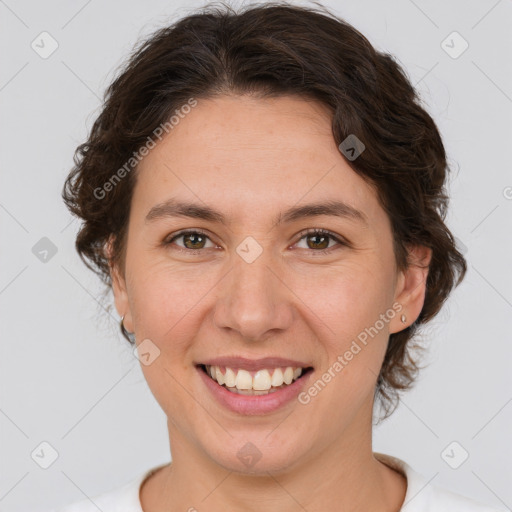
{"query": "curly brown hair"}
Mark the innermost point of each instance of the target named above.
(278, 49)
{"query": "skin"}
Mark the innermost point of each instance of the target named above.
(252, 158)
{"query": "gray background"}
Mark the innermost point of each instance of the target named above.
(66, 376)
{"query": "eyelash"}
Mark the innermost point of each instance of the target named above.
(301, 235)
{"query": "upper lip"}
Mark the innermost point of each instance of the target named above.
(244, 363)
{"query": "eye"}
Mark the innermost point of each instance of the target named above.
(194, 240)
(320, 239)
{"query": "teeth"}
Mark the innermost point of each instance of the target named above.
(257, 383)
(243, 380)
(218, 375)
(288, 375)
(261, 381)
(229, 378)
(277, 377)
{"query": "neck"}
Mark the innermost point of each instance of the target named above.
(344, 475)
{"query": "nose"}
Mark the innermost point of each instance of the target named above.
(254, 301)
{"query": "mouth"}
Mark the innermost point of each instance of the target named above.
(263, 381)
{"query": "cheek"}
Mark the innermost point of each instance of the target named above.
(348, 306)
(349, 297)
(164, 298)
(165, 312)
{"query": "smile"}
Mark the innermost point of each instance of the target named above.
(261, 382)
(236, 388)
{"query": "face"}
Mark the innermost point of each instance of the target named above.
(252, 288)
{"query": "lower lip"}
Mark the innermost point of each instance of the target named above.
(254, 404)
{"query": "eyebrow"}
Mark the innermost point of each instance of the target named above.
(335, 208)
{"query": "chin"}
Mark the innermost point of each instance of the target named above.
(256, 454)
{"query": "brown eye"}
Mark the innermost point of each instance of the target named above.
(192, 240)
(318, 240)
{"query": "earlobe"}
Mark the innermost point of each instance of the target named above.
(411, 287)
(119, 288)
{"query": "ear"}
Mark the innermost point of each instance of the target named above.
(119, 288)
(411, 287)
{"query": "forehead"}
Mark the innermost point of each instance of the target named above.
(243, 154)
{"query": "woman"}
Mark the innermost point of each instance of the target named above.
(265, 195)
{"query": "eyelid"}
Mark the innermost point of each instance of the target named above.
(322, 231)
(186, 232)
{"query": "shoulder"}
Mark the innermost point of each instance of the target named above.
(423, 496)
(121, 499)
(118, 499)
(445, 500)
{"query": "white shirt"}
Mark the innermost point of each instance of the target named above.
(421, 496)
